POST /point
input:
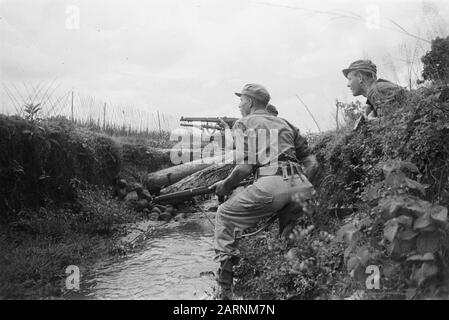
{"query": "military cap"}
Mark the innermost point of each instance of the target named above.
(361, 65)
(272, 109)
(255, 91)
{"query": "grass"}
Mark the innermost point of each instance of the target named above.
(39, 245)
(39, 239)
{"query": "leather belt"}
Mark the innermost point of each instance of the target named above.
(288, 169)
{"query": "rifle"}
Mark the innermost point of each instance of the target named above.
(203, 126)
(190, 193)
(229, 121)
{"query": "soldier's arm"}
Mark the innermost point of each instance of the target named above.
(226, 186)
(241, 170)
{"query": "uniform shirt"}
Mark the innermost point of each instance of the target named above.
(290, 144)
(379, 94)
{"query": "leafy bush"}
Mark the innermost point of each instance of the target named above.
(303, 267)
(358, 182)
(436, 61)
(403, 231)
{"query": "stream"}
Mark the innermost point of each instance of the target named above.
(176, 262)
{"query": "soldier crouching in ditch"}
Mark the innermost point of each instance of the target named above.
(280, 181)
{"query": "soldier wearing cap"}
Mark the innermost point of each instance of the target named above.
(362, 80)
(280, 182)
(229, 141)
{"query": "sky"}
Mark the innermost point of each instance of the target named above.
(188, 57)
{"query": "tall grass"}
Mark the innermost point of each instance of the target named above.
(85, 110)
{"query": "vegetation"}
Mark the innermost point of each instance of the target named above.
(383, 198)
(436, 61)
(45, 161)
(383, 194)
(38, 244)
(56, 199)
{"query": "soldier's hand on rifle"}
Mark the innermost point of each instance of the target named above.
(223, 124)
(221, 189)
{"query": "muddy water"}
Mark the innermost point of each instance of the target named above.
(176, 263)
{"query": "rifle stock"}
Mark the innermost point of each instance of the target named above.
(190, 193)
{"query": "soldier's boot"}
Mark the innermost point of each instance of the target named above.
(287, 219)
(225, 281)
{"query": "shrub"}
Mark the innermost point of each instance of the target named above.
(357, 183)
(436, 61)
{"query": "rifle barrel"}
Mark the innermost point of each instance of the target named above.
(209, 119)
(202, 126)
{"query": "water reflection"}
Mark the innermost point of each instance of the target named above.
(168, 268)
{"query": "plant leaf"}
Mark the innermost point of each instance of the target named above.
(422, 222)
(363, 255)
(395, 179)
(353, 263)
(426, 271)
(412, 184)
(391, 229)
(410, 166)
(391, 205)
(348, 233)
(405, 220)
(439, 214)
(393, 248)
(428, 256)
(373, 192)
(427, 242)
(407, 234)
(389, 167)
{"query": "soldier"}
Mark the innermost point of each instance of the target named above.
(278, 180)
(272, 110)
(362, 80)
(229, 142)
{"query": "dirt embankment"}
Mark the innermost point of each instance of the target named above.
(46, 161)
(56, 201)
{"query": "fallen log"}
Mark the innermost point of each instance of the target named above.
(202, 178)
(155, 181)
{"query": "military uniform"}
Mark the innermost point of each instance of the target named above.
(379, 93)
(278, 179)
